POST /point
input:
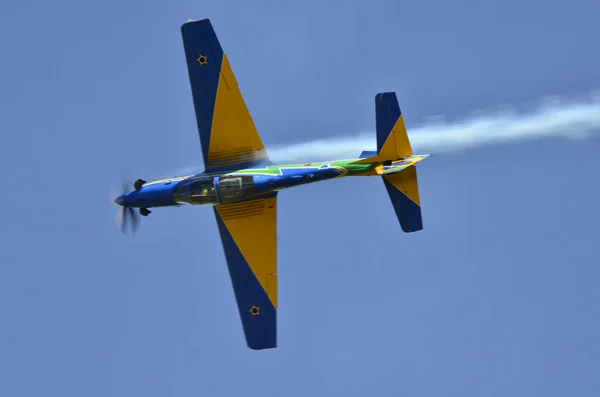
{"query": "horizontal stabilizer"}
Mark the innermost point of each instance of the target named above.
(400, 165)
(403, 189)
(367, 153)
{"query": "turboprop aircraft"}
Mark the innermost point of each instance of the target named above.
(242, 184)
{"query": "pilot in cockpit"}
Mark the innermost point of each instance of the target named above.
(207, 191)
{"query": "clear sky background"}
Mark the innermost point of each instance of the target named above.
(498, 296)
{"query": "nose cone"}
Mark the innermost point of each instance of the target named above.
(120, 200)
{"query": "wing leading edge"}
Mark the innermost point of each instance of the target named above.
(249, 234)
(228, 136)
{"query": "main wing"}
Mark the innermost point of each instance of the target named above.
(228, 136)
(249, 234)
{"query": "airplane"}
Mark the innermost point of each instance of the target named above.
(242, 184)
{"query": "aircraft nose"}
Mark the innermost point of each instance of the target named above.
(120, 200)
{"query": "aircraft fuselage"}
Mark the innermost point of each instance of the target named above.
(223, 188)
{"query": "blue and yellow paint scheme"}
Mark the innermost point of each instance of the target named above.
(242, 184)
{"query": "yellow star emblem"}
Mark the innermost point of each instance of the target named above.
(202, 59)
(254, 310)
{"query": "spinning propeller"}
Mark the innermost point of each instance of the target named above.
(127, 217)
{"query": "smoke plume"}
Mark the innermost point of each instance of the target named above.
(552, 117)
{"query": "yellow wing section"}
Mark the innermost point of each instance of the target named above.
(227, 132)
(249, 234)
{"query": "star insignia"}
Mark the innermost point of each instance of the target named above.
(202, 59)
(254, 310)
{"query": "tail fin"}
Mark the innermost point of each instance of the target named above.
(395, 162)
(392, 138)
(403, 189)
(393, 143)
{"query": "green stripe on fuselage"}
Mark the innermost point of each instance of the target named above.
(277, 170)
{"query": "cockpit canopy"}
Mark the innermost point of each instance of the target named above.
(197, 191)
(202, 190)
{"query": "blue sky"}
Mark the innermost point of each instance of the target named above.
(497, 296)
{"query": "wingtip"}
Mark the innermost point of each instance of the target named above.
(191, 22)
(259, 348)
(261, 344)
(380, 95)
(196, 20)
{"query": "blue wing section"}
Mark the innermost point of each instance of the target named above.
(204, 57)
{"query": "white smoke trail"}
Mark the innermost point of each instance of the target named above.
(552, 117)
(573, 119)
